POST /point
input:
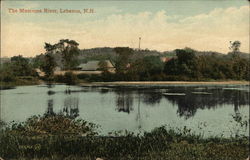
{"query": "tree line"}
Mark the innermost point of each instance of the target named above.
(186, 64)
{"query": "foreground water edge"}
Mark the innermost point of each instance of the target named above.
(61, 137)
(206, 109)
(67, 128)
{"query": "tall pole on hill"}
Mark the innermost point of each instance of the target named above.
(139, 43)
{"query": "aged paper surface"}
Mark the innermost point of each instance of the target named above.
(124, 79)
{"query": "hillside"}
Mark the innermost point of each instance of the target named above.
(109, 53)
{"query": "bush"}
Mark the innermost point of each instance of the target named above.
(53, 125)
(59, 78)
(83, 76)
(95, 78)
(41, 137)
(68, 78)
(7, 77)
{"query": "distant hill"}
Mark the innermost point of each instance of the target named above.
(109, 53)
(109, 50)
(104, 53)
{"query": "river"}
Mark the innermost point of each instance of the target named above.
(209, 110)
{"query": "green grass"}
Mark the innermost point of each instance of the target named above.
(59, 137)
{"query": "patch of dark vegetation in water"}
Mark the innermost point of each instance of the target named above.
(60, 137)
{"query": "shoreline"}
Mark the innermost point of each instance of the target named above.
(160, 83)
(4, 86)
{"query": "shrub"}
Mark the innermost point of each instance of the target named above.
(7, 78)
(59, 78)
(83, 76)
(68, 78)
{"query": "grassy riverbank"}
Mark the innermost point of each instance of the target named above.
(59, 137)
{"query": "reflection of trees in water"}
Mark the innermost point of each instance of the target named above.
(71, 104)
(151, 98)
(70, 108)
(50, 85)
(124, 101)
(188, 104)
(104, 90)
(50, 110)
(125, 98)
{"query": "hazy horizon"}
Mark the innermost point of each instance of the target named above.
(163, 25)
(123, 46)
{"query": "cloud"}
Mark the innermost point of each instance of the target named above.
(208, 31)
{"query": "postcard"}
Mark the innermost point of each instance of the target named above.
(116, 80)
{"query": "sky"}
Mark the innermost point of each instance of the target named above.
(205, 25)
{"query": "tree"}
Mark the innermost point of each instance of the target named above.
(186, 56)
(185, 65)
(149, 68)
(235, 46)
(123, 59)
(241, 68)
(6, 72)
(171, 67)
(103, 66)
(37, 61)
(68, 49)
(153, 64)
(49, 65)
(20, 66)
(137, 70)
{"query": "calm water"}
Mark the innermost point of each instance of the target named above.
(207, 110)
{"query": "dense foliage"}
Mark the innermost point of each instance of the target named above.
(187, 65)
(60, 137)
(130, 64)
(18, 70)
(49, 64)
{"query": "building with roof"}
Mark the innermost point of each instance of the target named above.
(96, 66)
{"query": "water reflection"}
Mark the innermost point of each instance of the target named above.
(124, 101)
(189, 100)
(49, 85)
(188, 104)
(133, 108)
(138, 116)
(50, 92)
(71, 107)
(50, 109)
(151, 98)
